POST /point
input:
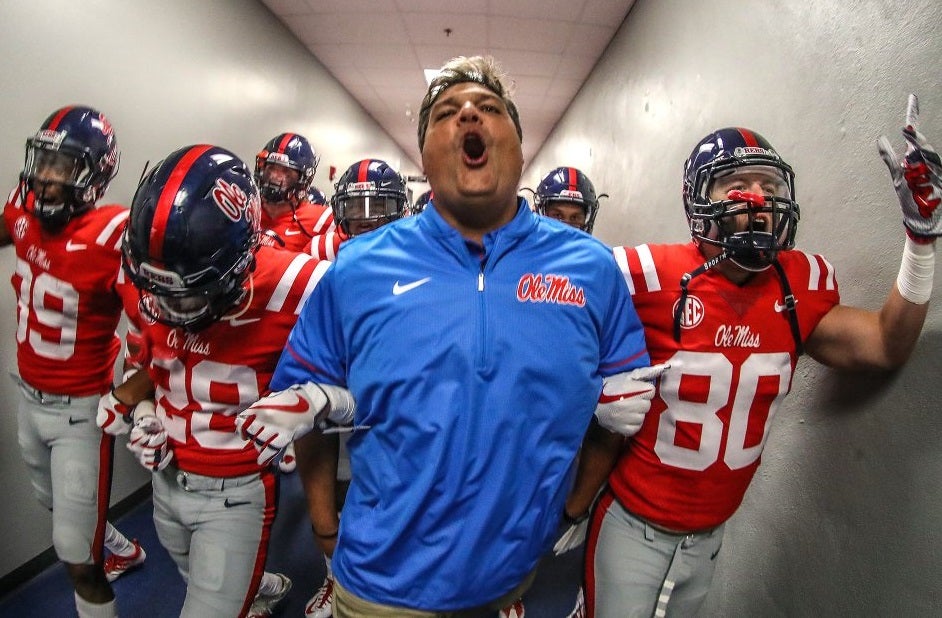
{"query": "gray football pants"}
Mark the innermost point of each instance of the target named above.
(634, 569)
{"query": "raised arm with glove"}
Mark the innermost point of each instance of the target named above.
(917, 178)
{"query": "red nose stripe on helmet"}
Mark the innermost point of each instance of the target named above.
(62, 114)
(283, 144)
(165, 202)
(364, 171)
(749, 138)
(573, 179)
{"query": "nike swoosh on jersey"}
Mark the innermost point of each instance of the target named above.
(74, 246)
(780, 308)
(231, 503)
(402, 289)
(292, 232)
(76, 421)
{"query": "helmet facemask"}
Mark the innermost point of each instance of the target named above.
(288, 188)
(192, 304)
(60, 183)
(725, 210)
(359, 214)
(367, 196)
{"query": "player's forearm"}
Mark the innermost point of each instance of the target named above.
(901, 322)
(599, 453)
(317, 467)
(136, 388)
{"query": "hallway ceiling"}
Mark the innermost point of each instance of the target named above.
(378, 49)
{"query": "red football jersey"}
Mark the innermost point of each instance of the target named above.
(700, 444)
(67, 307)
(296, 229)
(204, 379)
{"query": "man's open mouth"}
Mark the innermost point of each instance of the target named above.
(474, 149)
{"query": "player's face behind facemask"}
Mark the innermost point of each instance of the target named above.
(52, 175)
(364, 214)
(571, 214)
(278, 184)
(747, 202)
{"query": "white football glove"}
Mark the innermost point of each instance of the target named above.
(276, 420)
(626, 398)
(917, 178)
(114, 417)
(574, 536)
(148, 439)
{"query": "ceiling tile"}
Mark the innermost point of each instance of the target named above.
(564, 10)
(605, 12)
(529, 34)
(429, 29)
(351, 7)
(589, 40)
(465, 7)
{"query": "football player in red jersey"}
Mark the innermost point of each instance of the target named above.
(368, 195)
(215, 312)
(748, 305)
(284, 173)
(67, 262)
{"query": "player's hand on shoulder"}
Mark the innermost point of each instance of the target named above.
(626, 398)
(917, 178)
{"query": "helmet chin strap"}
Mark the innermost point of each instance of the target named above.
(790, 303)
(685, 281)
(789, 298)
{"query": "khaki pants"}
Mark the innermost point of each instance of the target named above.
(348, 605)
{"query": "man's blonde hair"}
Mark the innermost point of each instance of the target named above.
(483, 70)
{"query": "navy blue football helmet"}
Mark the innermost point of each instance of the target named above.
(727, 152)
(294, 152)
(192, 234)
(316, 196)
(421, 202)
(571, 186)
(369, 194)
(69, 164)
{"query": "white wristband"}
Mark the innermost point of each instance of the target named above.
(916, 269)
